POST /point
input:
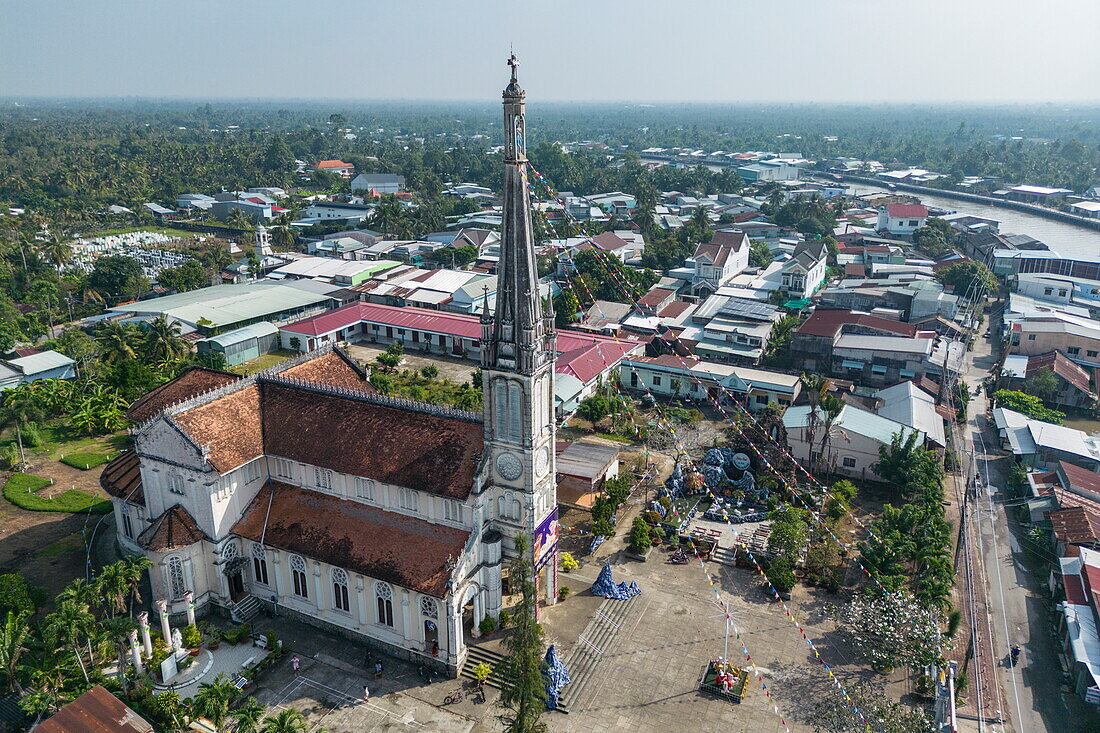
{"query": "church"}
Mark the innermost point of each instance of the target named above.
(302, 490)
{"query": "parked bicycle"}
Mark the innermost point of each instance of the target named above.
(454, 697)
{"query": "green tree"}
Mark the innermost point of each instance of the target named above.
(13, 639)
(191, 275)
(119, 277)
(1042, 384)
(1027, 404)
(835, 713)
(163, 340)
(115, 342)
(285, 721)
(248, 717)
(17, 595)
(567, 309)
(891, 629)
(213, 699)
(906, 464)
(789, 533)
(523, 693)
(594, 408)
(639, 536)
(759, 254)
(72, 621)
(20, 407)
(967, 277)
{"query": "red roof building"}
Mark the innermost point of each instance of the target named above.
(907, 211)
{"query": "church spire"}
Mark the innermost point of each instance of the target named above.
(519, 337)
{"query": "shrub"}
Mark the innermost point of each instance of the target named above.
(20, 488)
(487, 625)
(238, 634)
(429, 372)
(482, 671)
(32, 435)
(85, 461)
(396, 348)
(192, 637)
(781, 575)
(563, 592)
(271, 639)
(639, 536)
(503, 619)
(9, 456)
(568, 562)
(17, 595)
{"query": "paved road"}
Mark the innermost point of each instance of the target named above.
(1017, 599)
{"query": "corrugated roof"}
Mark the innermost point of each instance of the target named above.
(43, 361)
(96, 711)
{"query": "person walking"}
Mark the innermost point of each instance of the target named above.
(366, 693)
(295, 663)
(378, 668)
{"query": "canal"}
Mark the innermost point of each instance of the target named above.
(1065, 239)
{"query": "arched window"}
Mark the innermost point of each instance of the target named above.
(340, 590)
(127, 523)
(384, 594)
(428, 607)
(229, 552)
(259, 564)
(176, 584)
(298, 571)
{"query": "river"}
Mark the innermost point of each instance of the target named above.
(1065, 239)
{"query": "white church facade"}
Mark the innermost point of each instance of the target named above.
(302, 490)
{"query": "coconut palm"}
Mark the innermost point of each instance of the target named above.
(57, 250)
(13, 638)
(70, 622)
(283, 236)
(116, 343)
(113, 588)
(238, 219)
(813, 386)
(213, 698)
(831, 408)
(248, 717)
(133, 572)
(285, 721)
(163, 340)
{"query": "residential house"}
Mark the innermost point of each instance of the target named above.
(378, 183)
(257, 213)
(670, 375)
(851, 444)
(909, 404)
(616, 203)
(338, 167)
(321, 211)
(812, 343)
(36, 366)
(726, 255)
(902, 219)
(1039, 444)
(627, 245)
(1077, 579)
(1044, 195)
(1074, 388)
(1076, 337)
(805, 271)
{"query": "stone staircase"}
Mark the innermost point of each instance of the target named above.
(596, 640)
(245, 609)
(724, 555)
(477, 654)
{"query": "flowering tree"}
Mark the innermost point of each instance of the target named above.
(891, 629)
(834, 714)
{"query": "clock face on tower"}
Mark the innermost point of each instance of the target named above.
(542, 461)
(509, 466)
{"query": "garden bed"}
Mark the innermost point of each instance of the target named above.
(85, 461)
(736, 693)
(21, 490)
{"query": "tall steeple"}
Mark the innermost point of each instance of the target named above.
(518, 368)
(519, 337)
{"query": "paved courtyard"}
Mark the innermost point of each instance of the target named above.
(652, 650)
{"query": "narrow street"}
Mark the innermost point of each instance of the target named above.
(1016, 599)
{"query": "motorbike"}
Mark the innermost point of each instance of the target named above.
(1015, 657)
(679, 558)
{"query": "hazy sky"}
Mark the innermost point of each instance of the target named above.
(684, 50)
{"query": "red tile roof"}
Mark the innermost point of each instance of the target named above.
(853, 269)
(1080, 478)
(1060, 364)
(609, 241)
(1073, 525)
(907, 211)
(829, 322)
(121, 478)
(96, 711)
(392, 547)
(656, 296)
(230, 427)
(324, 164)
(676, 308)
(735, 240)
(372, 438)
(335, 369)
(174, 529)
(194, 381)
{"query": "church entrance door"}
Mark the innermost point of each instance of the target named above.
(236, 586)
(431, 637)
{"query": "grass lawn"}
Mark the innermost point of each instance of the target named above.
(260, 363)
(85, 461)
(21, 487)
(58, 439)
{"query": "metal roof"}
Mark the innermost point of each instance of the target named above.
(43, 361)
(256, 330)
(226, 304)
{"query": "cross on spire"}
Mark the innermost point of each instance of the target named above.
(513, 61)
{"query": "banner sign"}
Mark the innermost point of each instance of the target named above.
(546, 539)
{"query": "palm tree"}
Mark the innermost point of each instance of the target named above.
(285, 721)
(283, 236)
(163, 340)
(57, 250)
(238, 219)
(213, 698)
(248, 717)
(13, 636)
(387, 214)
(113, 588)
(116, 343)
(813, 385)
(70, 621)
(831, 407)
(21, 406)
(218, 258)
(134, 568)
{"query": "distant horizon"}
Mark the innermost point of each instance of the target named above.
(615, 51)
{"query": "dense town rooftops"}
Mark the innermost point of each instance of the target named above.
(392, 547)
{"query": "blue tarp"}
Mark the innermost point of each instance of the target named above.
(606, 587)
(557, 677)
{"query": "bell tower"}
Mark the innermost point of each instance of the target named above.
(517, 362)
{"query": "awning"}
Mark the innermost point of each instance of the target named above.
(797, 305)
(848, 364)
